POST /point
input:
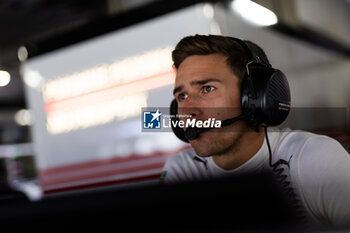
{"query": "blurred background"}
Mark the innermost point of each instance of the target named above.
(75, 75)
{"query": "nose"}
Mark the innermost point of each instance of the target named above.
(190, 108)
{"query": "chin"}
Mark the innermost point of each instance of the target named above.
(202, 152)
(203, 146)
(215, 143)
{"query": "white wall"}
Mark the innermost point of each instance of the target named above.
(329, 17)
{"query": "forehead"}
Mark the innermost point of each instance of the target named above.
(203, 66)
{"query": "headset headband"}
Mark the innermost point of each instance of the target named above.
(253, 52)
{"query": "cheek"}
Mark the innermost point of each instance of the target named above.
(227, 105)
(228, 99)
(234, 98)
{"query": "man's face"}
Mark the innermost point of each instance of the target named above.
(206, 87)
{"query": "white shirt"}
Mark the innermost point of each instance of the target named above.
(319, 172)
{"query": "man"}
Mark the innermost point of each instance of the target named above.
(210, 71)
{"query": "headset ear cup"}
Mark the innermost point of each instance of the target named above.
(272, 103)
(277, 99)
(179, 132)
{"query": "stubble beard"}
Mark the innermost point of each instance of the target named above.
(219, 143)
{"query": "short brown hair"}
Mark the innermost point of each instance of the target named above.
(237, 57)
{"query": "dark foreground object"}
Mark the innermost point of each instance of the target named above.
(244, 204)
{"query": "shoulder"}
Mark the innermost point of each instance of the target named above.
(290, 137)
(320, 169)
(324, 156)
(313, 153)
(307, 145)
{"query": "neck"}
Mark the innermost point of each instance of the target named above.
(245, 148)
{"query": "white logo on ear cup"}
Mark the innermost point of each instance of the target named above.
(283, 107)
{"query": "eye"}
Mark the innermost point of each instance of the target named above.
(207, 89)
(181, 97)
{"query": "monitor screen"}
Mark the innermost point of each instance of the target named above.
(87, 102)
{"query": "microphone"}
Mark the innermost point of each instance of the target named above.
(194, 132)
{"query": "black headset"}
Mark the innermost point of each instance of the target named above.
(265, 95)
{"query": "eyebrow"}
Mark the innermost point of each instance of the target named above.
(196, 83)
